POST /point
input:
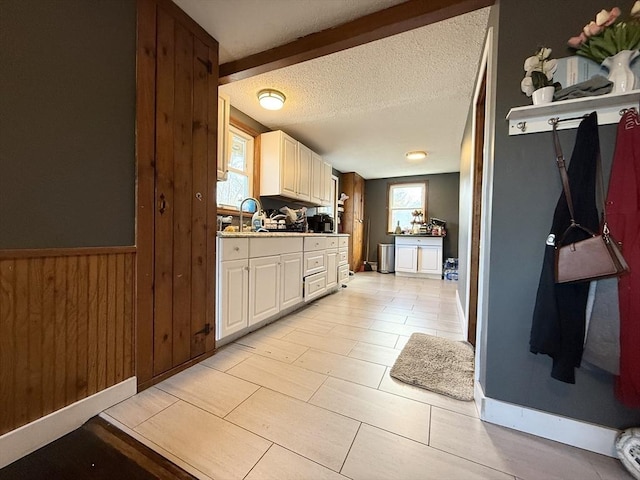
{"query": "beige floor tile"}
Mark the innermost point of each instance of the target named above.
(380, 455)
(279, 376)
(362, 304)
(310, 431)
(391, 385)
(418, 318)
(607, 467)
(281, 464)
(135, 410)
(522, 455)
(212, 445)
(380, 316)
(375, 353)
(341, 346)
(339, 366)
(430, 320)
(402, 341)
(400, 303)
(276, 329)
(401, 310)
(365, 335)
(399, 329)
(381, 409)
(226, 357)
(273, 348)
(209, 389)
(313, 325)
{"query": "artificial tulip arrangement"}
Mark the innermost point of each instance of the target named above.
(607, 34)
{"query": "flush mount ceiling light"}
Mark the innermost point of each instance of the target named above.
(271, 99)
(416, 155)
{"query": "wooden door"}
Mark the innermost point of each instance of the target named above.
(186, 100)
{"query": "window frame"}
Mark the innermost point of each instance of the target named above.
(393, 185)
(254, 177)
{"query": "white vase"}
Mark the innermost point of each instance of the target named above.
(620, 73)
(543, 95)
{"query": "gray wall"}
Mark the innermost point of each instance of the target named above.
(67, 111)
(525, 189)
(442, 203)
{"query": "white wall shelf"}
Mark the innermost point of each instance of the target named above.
(535, 118)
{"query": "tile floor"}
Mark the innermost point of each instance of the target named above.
(310, 397)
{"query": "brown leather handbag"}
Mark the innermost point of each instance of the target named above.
(599, 255)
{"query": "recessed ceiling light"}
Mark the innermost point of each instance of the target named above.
(271, 99)
(416, 155)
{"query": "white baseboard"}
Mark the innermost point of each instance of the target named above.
(587, 436)
(28, 438)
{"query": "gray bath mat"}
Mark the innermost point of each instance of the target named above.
(438, 364)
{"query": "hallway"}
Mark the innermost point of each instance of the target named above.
(310, 397)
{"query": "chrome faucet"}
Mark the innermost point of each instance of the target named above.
(258, 208)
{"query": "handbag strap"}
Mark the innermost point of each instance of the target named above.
(560, 161)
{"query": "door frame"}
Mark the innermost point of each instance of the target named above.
(486, 70)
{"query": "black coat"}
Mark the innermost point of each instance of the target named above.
(558, 325)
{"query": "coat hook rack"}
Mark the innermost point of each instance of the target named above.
(537, 118)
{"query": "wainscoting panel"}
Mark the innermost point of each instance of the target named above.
(66, 328)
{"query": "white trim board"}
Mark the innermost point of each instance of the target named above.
(587, 436)
(28, 438)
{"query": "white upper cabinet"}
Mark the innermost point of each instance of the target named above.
(223, 135)
(304, 173)
(290, 169)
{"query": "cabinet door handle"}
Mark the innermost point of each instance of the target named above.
(162, 206)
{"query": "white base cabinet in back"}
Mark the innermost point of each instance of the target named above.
(419, 256)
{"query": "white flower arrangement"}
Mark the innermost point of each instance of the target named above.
(539, 72)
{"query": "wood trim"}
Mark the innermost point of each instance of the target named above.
(375, 26)
(145, 168)
(63, 252)
(244, 127)
(62, 334)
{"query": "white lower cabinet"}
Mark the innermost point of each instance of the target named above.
(260, 279)
(419, 256)
(233, 296)
(256, 281)
(264, 288)
(332, 267)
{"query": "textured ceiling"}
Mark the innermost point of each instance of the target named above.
(362, 109)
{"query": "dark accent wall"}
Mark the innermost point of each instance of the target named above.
(442, 203)
(526, 187)
(67, 111)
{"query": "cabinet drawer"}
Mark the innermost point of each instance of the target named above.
(314, 243)
(343, 273)
(315, 262)
(342, 257)
(233, 248)
(332, 242)
(265, 247)
(314, 286)
(343, 241)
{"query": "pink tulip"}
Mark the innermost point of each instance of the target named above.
(592, 28)
(613, 16)
(576, 42)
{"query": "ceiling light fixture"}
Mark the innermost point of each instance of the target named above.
(416, 155)
(271, 99)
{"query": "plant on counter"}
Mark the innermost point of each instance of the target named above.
(539, 72)
(607, 35)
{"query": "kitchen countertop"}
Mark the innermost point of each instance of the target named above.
(277, 234)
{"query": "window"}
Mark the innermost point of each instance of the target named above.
(404, 198)
(238, 184)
